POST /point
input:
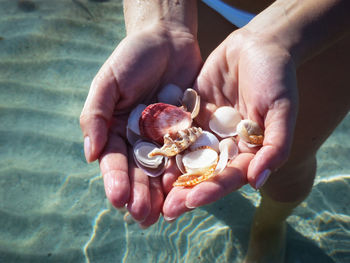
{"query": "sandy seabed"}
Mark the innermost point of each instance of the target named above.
(53, 206)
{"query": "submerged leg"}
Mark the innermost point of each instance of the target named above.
(268, 231)
(323, 95)
(324, 102)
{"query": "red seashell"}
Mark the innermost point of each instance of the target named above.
(160, 118)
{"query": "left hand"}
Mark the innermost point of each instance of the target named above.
(256, 75)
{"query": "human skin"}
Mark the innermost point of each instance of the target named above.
(162, 52)
(111, 94)
(254, 69)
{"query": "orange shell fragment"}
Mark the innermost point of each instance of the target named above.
(256, 139)
(189, 180)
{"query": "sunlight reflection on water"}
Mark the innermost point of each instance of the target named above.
(53, 206)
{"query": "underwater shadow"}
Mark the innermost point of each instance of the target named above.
(237, 212)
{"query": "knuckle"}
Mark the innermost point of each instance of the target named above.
(84, 118)
(88, 117)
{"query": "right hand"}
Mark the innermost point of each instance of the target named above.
(141, 64)
(256, 75)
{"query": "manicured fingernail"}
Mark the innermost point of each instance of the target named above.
(87, 148)
(189, 206)
(262, 178)
(169, 219)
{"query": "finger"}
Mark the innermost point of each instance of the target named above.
(98, 111)
(157, 199)
(170, 175)
(244, 148)
(114, 168)
(175, 203)
(205, 113)
(231, 179)
(217, 81)
(139, 204)
(279, 128)
(181, 200)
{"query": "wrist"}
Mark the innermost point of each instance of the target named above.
(303, 28)
(274, 25)
(180, 15)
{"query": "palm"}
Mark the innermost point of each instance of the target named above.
(139, 66)
(149, 62)
(146, 61)
(259, 81)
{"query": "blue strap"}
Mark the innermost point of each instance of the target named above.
(236, 16)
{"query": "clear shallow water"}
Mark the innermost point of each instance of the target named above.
(52, 204)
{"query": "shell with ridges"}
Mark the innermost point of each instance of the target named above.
(192, 179)
(200, 165)
(159, 119)
(180, 142)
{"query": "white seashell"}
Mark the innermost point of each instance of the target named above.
(170, 94)
(179, 163)
(231, 146)
(142, 149)
(224, 121)
(200, 160)
(191, 102)
(152, 166)
(133, 120)
(250, 132)
(223, 159)
(205, 164)
(206, 139)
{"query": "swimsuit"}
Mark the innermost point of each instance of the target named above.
(236, 16)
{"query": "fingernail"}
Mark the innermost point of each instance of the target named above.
(169, 219)
(87, 148)
(262, 178)
(190, 206)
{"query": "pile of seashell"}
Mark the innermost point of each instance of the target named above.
(163, 130)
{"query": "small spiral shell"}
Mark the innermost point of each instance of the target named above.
(180, 142)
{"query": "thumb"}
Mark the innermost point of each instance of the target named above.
(98, 112)
(279, 129)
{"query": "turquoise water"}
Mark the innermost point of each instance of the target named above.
(52, 204)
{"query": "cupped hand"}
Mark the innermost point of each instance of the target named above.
(141, 64)
(256, 75)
